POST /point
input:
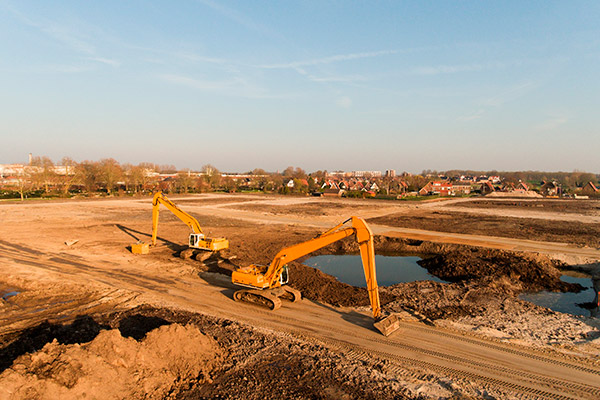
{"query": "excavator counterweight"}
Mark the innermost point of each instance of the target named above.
(267, 284)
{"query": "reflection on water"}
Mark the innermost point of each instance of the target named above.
(569, 302)
(390, 270)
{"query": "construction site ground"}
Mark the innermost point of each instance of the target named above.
(81, 316)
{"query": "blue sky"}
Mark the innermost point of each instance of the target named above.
(369, 85)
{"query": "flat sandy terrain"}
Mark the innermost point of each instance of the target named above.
(79, 309)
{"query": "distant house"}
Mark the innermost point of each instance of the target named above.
(329, 184)
(290, 183)
(551, 189)
(508, 187)
(487, 187)
(590, 190)
(442, 188)
(461, 188)
(522, 187)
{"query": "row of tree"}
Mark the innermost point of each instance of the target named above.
(109, 176)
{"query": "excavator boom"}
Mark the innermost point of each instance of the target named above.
(197, 239)
(268, 281)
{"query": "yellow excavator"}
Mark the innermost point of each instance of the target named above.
(267, 284)
(197, 239)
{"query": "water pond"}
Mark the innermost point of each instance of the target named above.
(390, 270)
(566, 302)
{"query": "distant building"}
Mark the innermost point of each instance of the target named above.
(442, 188)
(590, 190)
(361, 174)
(390, 173)
(551, 189)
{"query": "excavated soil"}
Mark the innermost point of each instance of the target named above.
(152, 353)
(572, 206)
(579, 233)
(112, 366)
(311, 209)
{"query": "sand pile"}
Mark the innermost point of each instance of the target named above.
(114, 367)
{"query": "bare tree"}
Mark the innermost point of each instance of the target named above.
(89, 175)
(211, 175)
(185, 180)
(42, 172)
(111, 172)
(70, 177)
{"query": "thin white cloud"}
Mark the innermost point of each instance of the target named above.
(329, 60)
(235, 16)
(106, 61)
(510, 94)
(500, 99)
(551, 124)
(344, 102)
(62, 34)
(471, 117)
(236, 87)
(448, 69)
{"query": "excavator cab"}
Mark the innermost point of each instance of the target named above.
(285, 276)
(199, 241)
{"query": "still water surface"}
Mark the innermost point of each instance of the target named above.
(390, 270)
(566, 302)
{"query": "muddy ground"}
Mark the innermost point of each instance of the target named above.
(571, 206)
(312, 209)
(579, 233)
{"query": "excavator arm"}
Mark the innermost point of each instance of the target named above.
(364, 238)
(160, 198)
(266, 283)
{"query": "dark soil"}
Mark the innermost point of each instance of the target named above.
(585, 207)
(311, 209)
(521, 228)
(530, 273)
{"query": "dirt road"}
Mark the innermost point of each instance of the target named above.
(34, 257)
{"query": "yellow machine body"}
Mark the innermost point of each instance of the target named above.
(197, 239)
(140, 248)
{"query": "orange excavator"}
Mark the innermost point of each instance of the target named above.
(197, 239)
(267, 284)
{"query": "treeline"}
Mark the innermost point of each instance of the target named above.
(44, 177)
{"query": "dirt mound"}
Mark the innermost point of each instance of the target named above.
(319, 286)
(114, 367)
(531, 272)
(440, 300)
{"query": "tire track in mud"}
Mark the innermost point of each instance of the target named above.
(529, 383)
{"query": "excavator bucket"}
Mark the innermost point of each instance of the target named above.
(388, 325)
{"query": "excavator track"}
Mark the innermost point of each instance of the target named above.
(287, 293)
(261, 297)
